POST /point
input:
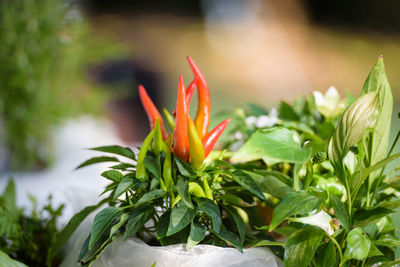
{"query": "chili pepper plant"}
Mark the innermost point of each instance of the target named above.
(171, 191)
(335, 200)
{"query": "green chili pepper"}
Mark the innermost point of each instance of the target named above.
(207, 188)
(167, 168)
(140, 168)
(158, 139)
(196, 148)
(170, 120)
(176, 200)
(196, 190)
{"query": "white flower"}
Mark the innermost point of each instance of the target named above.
(329, 104)
(267, 121)
(320, 219)
(250, 121)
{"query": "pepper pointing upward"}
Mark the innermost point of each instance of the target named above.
(202, 119)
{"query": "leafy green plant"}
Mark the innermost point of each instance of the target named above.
(26, 239)
(334, 211)
(44, 52)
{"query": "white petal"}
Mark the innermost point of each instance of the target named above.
(320, 219)
(250, 121)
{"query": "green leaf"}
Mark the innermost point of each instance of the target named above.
(69, 229)
(118, 150)
(299, 203)
(302, 245)
(124, 217)
(137, 218)
(326, 257)
(388, 241)
(197, 233)
(183, 190)
(341, 212)
(122, 166)
(112, 175)
(374, 251)
(378, 82)
(97, 160)
(358, 245)
(265, 243)
(279, 175)
(181, 216)
(162, 225)
(365, 217)
(274, 186)
(184, 168)
(211, 209)
(230, 238)
(150, 196)
(287, 113)
(240, 225)
(6, 261)
(352, 125)
(123, 185)
(273, 145)
(153, 165)
(248, 183)
(9, 197)
(103, 220)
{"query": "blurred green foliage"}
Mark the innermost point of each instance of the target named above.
(44, 52)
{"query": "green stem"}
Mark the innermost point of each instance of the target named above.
(349, 202)
(339, 249)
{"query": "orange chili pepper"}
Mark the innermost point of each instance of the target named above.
(212, 137)
(189, 94)
(151, 110)
(181, 139)
(202, 119)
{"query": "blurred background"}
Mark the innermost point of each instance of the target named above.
(69, 69)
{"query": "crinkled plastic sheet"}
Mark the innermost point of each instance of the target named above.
(134, 252)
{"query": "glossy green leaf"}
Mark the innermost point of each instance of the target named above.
(363, 217)
(211, 209)
(296, 203)
(162, 225)
(326, 257)
(123, 185)
(248, 183)
(378, 82)
(124, 217)
(152, 195)
(197, 234)
(96, 160)
(265, 243)
(118, 150)
(230, 238)
(181, 216)
(240, 225)
(341, 212)
(103, 220)
(357, 245)
(302, 245)
(112, 175)
(352, 125)
(137, 218)
(184, 168)
(183, 190)
(153, 165)
(274, 186)
(388, 241)
(273, 145)
(9, 196)
(279, 175)
(286, 112)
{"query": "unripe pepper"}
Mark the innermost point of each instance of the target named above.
(181, 139)
(202, 119)
(212, 137)
(167, 167)
(151, 110)
(170, 119)
(196, 147)
(141, 172)
(158, 140)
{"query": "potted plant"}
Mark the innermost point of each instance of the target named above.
(173, 191)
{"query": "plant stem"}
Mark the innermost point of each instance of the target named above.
(349, 202)
(338, 247)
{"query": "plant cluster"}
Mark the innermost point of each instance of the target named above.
(319, 164)
(25, 239)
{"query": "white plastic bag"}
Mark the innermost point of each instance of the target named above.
(134, 252)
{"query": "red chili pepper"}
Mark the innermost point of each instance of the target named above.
(202, 119)
(189, 94)
(151, 110)
(212, 137)
(181, 139)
